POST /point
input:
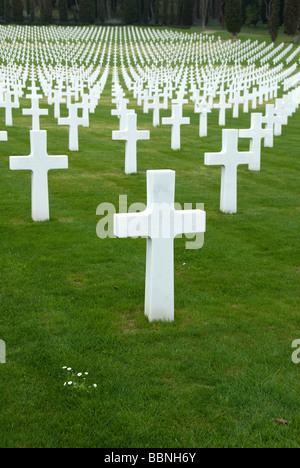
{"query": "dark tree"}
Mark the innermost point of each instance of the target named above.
(157, 12)
(252, 13)
(17, 11)
(48, 11)
(32, 11)
(101, 10)
(7, 11)
(146, 12)
(187, 13)
(233, 16)
(63, 10)
(274, 20)
(165, 12)
(245, 4)
(172, 12)
(291, 17)
(129, 11)
(42, 11)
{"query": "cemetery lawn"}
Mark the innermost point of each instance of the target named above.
(222, 373)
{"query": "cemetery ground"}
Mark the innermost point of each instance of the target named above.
(221, 374)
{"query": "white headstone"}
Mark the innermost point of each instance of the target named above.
(131, 135)
(176, 120)
(73, 121)
(256, 133)
(35, 111)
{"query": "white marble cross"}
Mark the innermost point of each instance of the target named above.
(235, 100)
(176, 120)
(222, 105)
(156, 105)
(269, 120)
(229, 158)
(57, 99)
(39, 163)
(131, 135)
(121, 112)
(281, 116)
(35, 111)
(73, 121)
(160, 223)
(256, 133)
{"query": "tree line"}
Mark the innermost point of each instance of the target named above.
(232, 14)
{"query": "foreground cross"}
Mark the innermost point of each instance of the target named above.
(131, 135)
(229, 158)
(39, 163)
(160, 223)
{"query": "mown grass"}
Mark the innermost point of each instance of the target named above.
(219, 375)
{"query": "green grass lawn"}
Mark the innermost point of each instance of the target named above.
(221, 373)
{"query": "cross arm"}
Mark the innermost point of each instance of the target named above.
(214, 159)
(20, 163)
(143, 135)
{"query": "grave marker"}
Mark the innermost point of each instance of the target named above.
(160, 223)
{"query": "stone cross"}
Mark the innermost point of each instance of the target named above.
(269, 120)
(256, 133)
(121, 112)
(57, 99)
(235, 100)
(35, 111)
(229, 158)
(222, 105)
(39, 163)
(73, 121)
(131, 135)
(281, 116)
(160, 223)
(176, 120)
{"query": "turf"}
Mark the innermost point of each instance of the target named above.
(222, 373)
